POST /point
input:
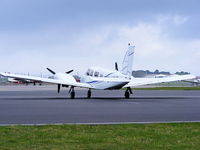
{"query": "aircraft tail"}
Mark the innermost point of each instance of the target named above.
(128, 61)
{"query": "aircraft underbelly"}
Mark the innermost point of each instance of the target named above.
(104, 85)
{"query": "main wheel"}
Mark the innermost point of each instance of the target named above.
(127, 94)
(89, 94)
(72, 94)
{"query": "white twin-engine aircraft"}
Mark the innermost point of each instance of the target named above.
(98, 78)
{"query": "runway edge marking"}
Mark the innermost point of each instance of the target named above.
(101, 123)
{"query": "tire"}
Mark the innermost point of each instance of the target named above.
(89, 94)
(72, 95)
(127, 95)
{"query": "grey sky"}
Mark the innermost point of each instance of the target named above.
(66, 34)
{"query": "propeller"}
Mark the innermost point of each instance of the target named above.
(51, 71)
(54, 74)
(116, 66)
(59, 85)
(69, 71)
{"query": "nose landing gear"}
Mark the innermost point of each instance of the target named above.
(89, 93)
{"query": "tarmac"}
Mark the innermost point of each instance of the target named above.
(41, 105)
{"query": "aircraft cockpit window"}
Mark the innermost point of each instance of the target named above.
(91, 72)
(96, 74)
(88, 72)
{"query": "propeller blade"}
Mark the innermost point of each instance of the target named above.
(58, 88)
(116, 66)
(51, 71)
(69, 71)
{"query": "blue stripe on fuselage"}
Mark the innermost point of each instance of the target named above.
(92, 81)
(109, 74)
(131, 54)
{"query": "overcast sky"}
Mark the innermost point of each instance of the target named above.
(77, 34)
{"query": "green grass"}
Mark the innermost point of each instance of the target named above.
(169, 88)
(177, 136)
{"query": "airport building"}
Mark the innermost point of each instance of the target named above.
(3, 79)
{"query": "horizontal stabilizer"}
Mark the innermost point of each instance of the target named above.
(145, 81)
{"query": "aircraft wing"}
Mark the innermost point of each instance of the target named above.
(196, 81)
(145, 81)
(47, 80)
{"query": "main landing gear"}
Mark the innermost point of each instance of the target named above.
(89, 93)
(72, 93)
(128, 92)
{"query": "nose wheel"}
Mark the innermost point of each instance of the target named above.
(89, 93)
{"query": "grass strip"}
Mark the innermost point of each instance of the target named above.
(177, 136)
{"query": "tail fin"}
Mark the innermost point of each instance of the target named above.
(128, 61)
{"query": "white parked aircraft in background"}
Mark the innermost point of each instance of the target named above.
(102, 79)
(23, 81)
(195, 81)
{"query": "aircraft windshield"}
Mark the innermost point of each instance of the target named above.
(96, 74)
(88, 72)
(91, 72)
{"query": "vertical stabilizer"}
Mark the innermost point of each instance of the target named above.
(128, 61)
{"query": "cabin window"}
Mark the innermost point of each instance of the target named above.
(96, 74)
(91, 72)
